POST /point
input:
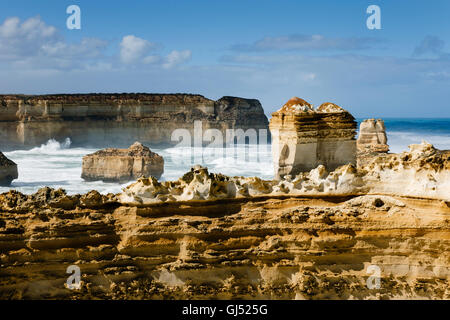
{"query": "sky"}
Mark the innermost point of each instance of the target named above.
(321, 51)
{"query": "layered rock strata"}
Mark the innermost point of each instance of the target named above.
(8, 170)
(122, 165)
(372, 139)
(303, 138)
(213, 236)
(96, 120)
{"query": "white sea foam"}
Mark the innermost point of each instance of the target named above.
(56, 165)
(399, 140)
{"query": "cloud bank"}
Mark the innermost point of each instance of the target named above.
(33, 44)
(304, 42)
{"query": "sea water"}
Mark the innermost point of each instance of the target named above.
(57, 165)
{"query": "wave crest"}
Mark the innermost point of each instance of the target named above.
(52, 145)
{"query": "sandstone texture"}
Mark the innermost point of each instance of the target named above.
(209, 236)
(303, 138)
(122, 165)
(372, 139)
(8, 170)
(96, 120)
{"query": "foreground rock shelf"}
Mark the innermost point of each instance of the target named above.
(212, 236)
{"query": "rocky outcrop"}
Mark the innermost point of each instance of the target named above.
(422, 172)
(96, 120)
(8, 170)
(200, 185)
(303, 138)
(122, 165)
(372, 140)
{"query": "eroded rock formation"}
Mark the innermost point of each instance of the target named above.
(8, 170)
(421, 172)
(372, 139)
(303, 138)
(122, 165)
(312, 236)
(118, 120)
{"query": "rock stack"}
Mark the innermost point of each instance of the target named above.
(303, 138)
(8, 170)
(122, 165)
(372, 140)
(372, 136)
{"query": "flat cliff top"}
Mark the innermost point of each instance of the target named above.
(135, 150)
(106, 97)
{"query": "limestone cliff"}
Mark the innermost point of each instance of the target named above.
(313, 236)
(122, 165)
(8, 170)
(117, 120)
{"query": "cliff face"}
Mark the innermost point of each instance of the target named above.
(304, 138)
(317, 236)
(118, 119)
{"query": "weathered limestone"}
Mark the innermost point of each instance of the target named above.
(372, 141)
(422, 172)
(8, 170)
(303, 138)
(372, 136)
(122, 165)
(211, 236)
(118, 120)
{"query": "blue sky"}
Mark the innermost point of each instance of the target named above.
(268, 50)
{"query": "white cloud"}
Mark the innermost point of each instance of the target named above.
(176, 57)
(133, 49)
(307, 42)
(152, 59)
(32, 44)
(19, 39)
(88, 48)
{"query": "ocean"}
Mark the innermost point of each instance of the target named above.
(57, 165)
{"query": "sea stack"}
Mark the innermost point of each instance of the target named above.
(303, 138)
(8, 171)
(372, 140)
(122, 165)
(372, 136)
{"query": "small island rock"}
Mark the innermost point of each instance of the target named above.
(122, 165)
